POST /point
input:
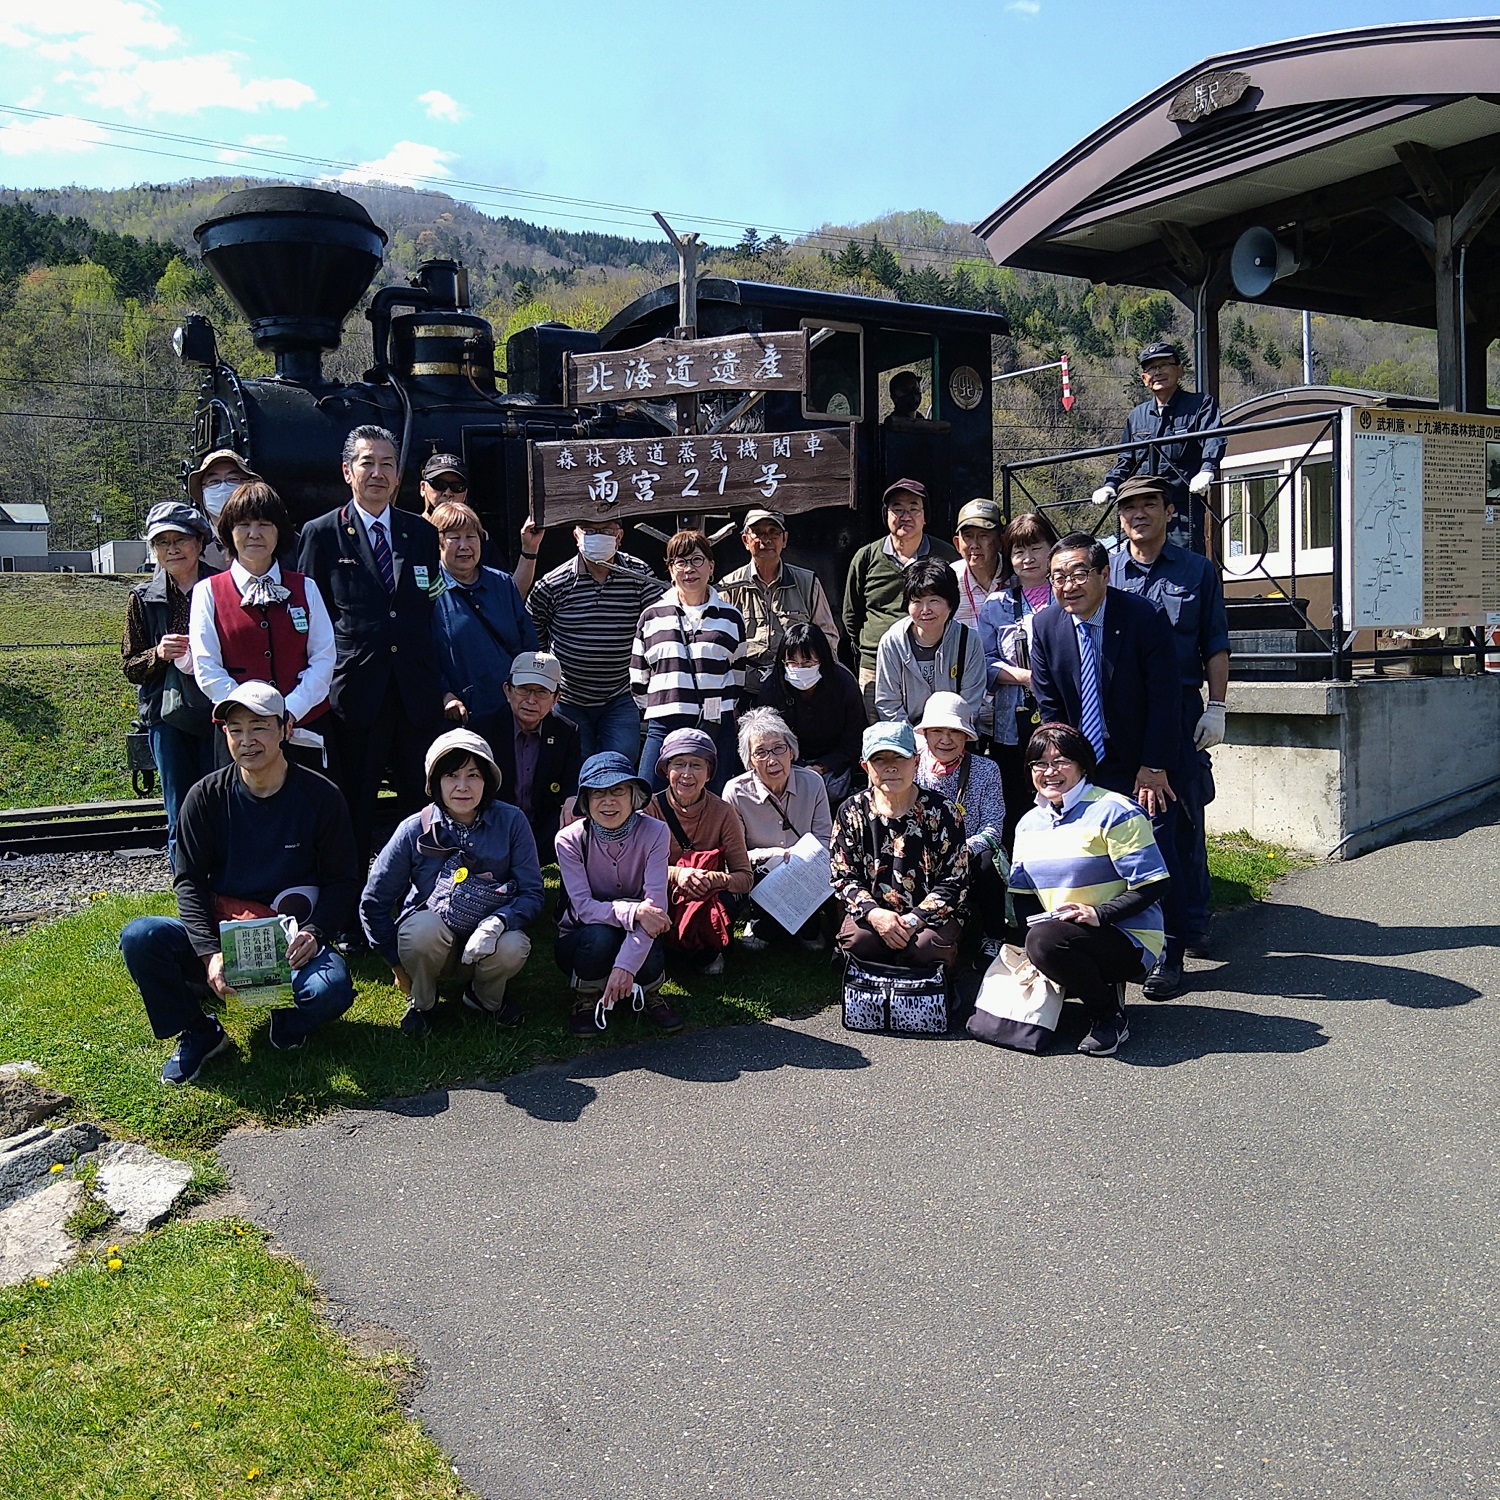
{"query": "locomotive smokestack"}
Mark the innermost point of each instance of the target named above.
(295, 261)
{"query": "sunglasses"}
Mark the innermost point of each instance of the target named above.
(449, 486)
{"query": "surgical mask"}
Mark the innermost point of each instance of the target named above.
(216, 495)
(803, 677)
(597, 546)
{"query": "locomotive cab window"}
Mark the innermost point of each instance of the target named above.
(835, 375)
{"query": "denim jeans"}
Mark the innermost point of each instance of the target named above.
(167, 972)
(181, 760)
(615, 725)
(723, 735)
(589, 951)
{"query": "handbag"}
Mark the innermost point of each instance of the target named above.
(184, 705)
(1017, 1006)
(461, 897)
(903, 1002)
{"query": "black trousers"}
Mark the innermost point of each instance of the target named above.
(1086, 961)
(361, 758)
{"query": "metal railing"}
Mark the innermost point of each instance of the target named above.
(1336, 640)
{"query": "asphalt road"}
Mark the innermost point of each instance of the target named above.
(1254, 1255)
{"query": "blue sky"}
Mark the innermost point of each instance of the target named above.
(587, 115)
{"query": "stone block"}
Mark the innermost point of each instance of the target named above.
(140, 1185)
(24, 1102)
(33, 1241)
(27, 1160)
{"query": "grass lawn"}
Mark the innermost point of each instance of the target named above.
(198, 1367)
(1242, 869)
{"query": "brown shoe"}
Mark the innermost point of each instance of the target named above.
(660, 1013)
(581, 1017)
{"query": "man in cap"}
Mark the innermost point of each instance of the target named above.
(1190, 465)
(210, 485)
(773, 595)
(444, 477)
(977, 537)
(874, 593)
(537, 749)
(1187, 589)
(260, 836)
(376, 567)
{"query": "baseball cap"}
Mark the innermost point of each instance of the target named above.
(539, 667)
(1143, 484)
(258, 697)
(445, 463)
(195, 479)
(901, 738)
(1161, 350)
(760, 514)
(984, 513)
(173, 515)
(911, 486)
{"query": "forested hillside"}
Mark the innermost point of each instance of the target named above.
(95, 411)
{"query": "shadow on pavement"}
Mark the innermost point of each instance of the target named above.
(561, 1093)
(1296, 929)
(1307, 976)
(1163, 1035)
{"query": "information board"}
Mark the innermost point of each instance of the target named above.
(1422, 519)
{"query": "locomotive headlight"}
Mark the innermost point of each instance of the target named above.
(194, 342)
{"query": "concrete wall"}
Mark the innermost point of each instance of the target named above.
(1308, 763)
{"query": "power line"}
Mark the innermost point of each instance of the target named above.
(95, 385)
(69, 416)
(470, 187)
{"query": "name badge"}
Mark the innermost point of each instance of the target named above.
(299, 618)
(419, 572)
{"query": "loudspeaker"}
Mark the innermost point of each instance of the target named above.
(1258, 260)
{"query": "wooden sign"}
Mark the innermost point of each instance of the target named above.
(1207, 94)
(683, 367)
(590, 480)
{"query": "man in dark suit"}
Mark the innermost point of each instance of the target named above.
(1104, 662)
(537, 750)
(377, 570)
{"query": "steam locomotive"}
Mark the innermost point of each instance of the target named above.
(296, 261)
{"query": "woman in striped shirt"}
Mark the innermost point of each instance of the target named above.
(687, 665)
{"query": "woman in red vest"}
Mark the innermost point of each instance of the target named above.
(259, 621)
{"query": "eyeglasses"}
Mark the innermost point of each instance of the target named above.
(697, 560)
(449, 486)
(1060, 764)
(1073, 575)
(771, 752)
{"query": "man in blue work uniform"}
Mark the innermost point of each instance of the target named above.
(1189, 466)
(1188, 590)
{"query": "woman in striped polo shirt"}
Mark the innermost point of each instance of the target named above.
(1087, 859)
(687, 665)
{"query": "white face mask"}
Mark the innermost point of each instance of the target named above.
(803, 677)
(597, 546)
(216, 495)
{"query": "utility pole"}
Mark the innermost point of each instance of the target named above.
(1307, 352)
(687, 247)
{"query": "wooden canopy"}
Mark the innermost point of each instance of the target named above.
(1371, 154)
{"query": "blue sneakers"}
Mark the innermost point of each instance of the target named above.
(194, 1049)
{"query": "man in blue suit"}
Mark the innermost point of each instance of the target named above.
(376, 567)
(1104, 662)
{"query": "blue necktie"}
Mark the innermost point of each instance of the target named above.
(1091, 712)
(383, 561)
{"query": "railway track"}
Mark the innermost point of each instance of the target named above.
(82, 825)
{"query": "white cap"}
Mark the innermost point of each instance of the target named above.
(258, 697)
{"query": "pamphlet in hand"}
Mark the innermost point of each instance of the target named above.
(793, 891)
(255, 959)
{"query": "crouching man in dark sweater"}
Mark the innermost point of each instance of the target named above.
(257, 830)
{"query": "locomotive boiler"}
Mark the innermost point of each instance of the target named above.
(297, 261)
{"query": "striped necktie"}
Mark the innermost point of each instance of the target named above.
(382, 549)
(1091, 710)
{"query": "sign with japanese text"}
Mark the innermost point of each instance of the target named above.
(590, 479)
(682, 367)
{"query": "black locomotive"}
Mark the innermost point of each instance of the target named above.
(297, 260)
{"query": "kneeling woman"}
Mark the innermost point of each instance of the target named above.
(710, 867)
(1087, 858)
(899, 861)
(464, 874)
(613, 918)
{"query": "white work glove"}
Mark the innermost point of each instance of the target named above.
(1200, 482)
(1210, 730)
(486, 937)
(1104, 494)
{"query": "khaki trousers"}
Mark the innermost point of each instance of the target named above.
(430, 952)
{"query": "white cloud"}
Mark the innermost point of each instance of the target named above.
(1024, 7)
(441, 106)
(405, 164)
(36, 137)
(265, 140)
(106, 47)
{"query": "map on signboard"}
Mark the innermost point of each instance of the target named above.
(1386, 562)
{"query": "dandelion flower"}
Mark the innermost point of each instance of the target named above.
(197, 1427)
(114, 1250)
(114, 1263)
(55, 1168)
(43, 1283)
(252, 1474)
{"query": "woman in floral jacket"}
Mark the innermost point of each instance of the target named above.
(900, 865)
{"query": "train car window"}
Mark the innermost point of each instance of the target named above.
(835, 379)
(1317, 504)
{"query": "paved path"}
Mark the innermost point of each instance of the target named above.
(1255, 1255)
